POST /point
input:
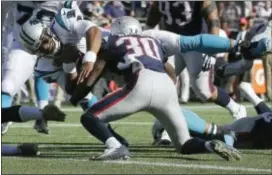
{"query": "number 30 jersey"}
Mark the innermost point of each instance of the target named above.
(124, 51)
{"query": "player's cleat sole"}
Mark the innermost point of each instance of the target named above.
(225, 151)
(28, 149)
(120, 153)
(53, 113)
(41, 127)
(4, 127)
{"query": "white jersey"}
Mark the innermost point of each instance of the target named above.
(70, 28)
(170, 41)
(44, 11)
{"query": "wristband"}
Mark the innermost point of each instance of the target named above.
(69, 68)
(89, 56)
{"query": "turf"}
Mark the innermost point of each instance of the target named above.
(68, 148)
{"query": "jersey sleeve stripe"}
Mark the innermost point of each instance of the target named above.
(27, 41)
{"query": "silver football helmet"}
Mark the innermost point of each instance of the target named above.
(126, 25)
(38, 39)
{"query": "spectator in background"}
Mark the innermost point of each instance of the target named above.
(114, 9)
(264, 9)
(232, 13)
(248, 8)
(221, 9)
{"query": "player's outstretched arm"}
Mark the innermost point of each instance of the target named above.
(85, 87)
(93, 39)
(170, 71)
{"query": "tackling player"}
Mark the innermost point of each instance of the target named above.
(140, 59)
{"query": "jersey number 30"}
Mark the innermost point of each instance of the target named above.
(138, 47)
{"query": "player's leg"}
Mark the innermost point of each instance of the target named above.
(121, 103)
(249, 93)
(14, 75)
(185, 85)
(26, 113)
(42, 95)
(202, 84)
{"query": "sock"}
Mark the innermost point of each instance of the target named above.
(250, 93)
(9, 150)
(95, 127)
(223, 98)
(112, 142)
(194, 122)
(6, 100)
(85, 104)
(193, 146)
(204, 43)
(262, 108)
(42, 92)
(212, 129)
(121, 139)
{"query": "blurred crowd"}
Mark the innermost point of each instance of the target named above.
(235, 18)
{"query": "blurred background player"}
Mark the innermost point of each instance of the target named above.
(187, 18)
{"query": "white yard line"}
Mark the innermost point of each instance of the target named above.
(195, 107)
(68, 125)
(165, 164)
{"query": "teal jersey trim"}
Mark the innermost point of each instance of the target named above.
(61, 23)
(68, 4)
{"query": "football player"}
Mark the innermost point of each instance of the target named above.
(140, 59)
(247, 133)
(187, 18)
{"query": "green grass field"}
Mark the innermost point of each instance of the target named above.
(68, 148)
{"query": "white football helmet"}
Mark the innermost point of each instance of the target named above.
(32, 35)
(126, 25)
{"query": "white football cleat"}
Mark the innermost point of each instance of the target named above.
(241, 113)
(165, 139)
(120, 153)
(4, 127)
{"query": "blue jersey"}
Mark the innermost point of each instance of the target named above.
(182, 17)
(126, 50)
